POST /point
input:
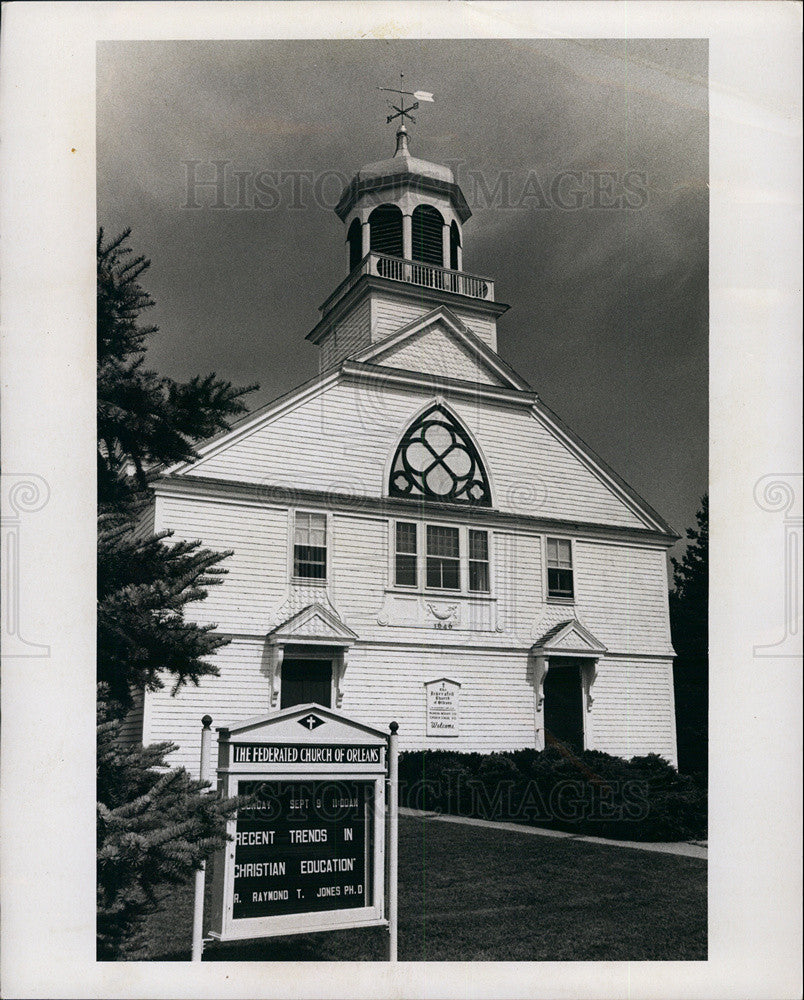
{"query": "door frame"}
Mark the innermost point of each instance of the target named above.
(274, 656)
(300, 652)
(588, 667)
(568, 663)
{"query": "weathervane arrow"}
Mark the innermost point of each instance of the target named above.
(402, 111)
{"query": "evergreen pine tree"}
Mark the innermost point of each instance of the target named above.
(689, 625)
(155, 824)
(143, 586)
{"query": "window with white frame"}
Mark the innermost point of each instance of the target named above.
(478, 561)
(559, 568)
(454, 558)
(310, 546)
(405, 565)
(443, 558)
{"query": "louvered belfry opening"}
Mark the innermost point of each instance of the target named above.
(454, 243)
(385, 227)
(355, 240)
(428, 235)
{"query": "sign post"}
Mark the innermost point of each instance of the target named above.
(308, 850)
(205, 774)
(393, 841)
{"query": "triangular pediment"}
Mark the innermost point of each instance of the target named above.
(569, 637)
(572, 640)
(285, 724)
(316, 623)
(319, 423)
(440, 344)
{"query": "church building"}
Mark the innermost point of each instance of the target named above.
(415, 535)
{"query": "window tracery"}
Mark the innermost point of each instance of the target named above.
(437, 460)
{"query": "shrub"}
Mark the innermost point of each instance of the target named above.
(590, 792)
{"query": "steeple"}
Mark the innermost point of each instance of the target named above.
(404, 221)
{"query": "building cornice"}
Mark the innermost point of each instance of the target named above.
(411, 181)
(362, 371)
(275, 495)
(418, 293)
(511, 649)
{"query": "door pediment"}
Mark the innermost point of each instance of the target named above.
(569, 637)
(315, 623)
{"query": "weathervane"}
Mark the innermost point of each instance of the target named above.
(405, 112)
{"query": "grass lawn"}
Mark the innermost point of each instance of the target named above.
(473, 894)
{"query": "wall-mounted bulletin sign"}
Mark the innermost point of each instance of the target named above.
(313, 847)
(443, 707)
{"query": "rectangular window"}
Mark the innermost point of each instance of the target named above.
(478, 561)
(443, 558)
(310, 546)
(559, 568)
(405, 554)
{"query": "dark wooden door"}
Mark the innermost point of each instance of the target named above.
(304, 681)
(563, 706)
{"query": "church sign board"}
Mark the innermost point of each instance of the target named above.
(308, 848)
(443, 709)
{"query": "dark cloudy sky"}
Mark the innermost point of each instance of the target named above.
(608, 317)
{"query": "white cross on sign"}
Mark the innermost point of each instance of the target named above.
(310, 721)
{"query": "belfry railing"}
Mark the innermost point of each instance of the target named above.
(413, 272)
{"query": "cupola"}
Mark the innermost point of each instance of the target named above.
(405, 207)
(404, 221)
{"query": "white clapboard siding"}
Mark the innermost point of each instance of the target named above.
(621, 590)
(241, 690)
(517, 564)
(633, 710)
(145, 523)
(360, 569)
(381, 686)
(131, 726)
(341, 440)
(257, 572)
(484, 327)
(349, 336)
(436, 352)
(391, 314)
(496, 698)
(622, 596)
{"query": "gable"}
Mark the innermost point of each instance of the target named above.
(283, 726)
(440, 345)
(569, 636)
(316, 627)
(572, 641)
(314, 622)
(436, 351)
(339, 435)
